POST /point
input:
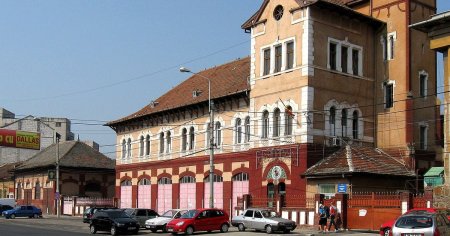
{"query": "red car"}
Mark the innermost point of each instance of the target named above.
(199, 220)
(385, 229)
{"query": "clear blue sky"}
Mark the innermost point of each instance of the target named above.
(97, 61)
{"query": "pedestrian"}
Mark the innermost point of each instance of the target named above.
(322, 218)
(333, 215)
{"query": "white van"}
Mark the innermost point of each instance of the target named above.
(8, 201)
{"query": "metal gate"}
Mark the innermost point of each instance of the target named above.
(67, 206)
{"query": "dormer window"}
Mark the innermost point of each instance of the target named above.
(196, 93)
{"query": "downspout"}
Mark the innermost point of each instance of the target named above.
(409, 99)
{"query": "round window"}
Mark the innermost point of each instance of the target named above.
(278, 12)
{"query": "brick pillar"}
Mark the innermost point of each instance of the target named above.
(342, 206)
(405, 199)
(318, 199)
(175, 195)
(227, 195)
(428, 195)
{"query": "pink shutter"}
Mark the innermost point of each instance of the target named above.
(125, 196)
(218, 194)
(164, 197)
(187, 196)
(144, 196)
(239, 188)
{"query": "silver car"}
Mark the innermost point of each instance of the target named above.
(262, 219)
(159, 223)
(421, 224)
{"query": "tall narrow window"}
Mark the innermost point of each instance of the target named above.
(332, 56)
(344, 59)
(355, 61)
(385, 47)
(333, 121)
(37, 191)
(129, 148)
(288, 118)
(208, 135)
(141, 146)
(161, 142)
(278, 58)
(19, 191)
(391, 40)
(276, 122)
(147, 145)
(218, 135)
(169, 142)
(423, 137)
(191, 138)
(266, 66)
(423, 78)
(289, 55)
(184, 139)
(124, 149)
(238, 131)
(344, 122)
(388, 95)
(265, 125)
(247, 129)
(355, 125)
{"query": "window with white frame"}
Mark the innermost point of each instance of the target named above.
(388, 87)
(218, 135)
(344, 117)
(265, 125)
(247, 129)
(161, 142)
(238, 131)
(289, 55)
(184, 139)
(329, 190)
(191, 138)
(278, 57)
(147, 145)
(276, 122)
(423, 139)
(423, 84)
(141, 146)
(332, 121)
(129, 148)
(208, 135)
(168, 141)
(124, 149)
(37, 191)
(391, 38)
(288, 121)
(266, 61)
(355, 125)
(344, 57)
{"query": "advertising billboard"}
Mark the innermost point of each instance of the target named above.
(20, 139)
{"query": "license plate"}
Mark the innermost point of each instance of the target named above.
(289, 227)
(169, 230)
(411, 234)
(131, 228)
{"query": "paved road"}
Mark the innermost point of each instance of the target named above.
(68, 226)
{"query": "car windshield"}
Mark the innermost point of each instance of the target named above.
(413, 222)
(189, 214)
(17, 208)
(169, 213)
(117, 214)
(268, 213)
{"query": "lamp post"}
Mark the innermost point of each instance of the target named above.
(211, 137)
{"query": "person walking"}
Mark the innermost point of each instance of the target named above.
(333, 214)
(322, 219)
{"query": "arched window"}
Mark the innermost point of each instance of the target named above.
(169, 142)
(288, 118)
(124, 149)
(129, 148)
(147, 145)
(37, 191)
(218, 134)
(265, 125)
(141, 146)
(191, 138)
(126, 183)
(344, 122)
(276, 122)
(355, 125)
(247, 129)
(19, 190)
(333, 121)
(187, 179)
(165, 180)
(161, 142)
(238, 131)
(184, 139)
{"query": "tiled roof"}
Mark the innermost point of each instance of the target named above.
(71, 154)
(226, 79)
(6, 171)
(358, 159)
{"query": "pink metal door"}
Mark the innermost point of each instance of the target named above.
(218, 194)
(164, 197)
(240, 187)
(187, 196)
(144, 196)
(125, 196)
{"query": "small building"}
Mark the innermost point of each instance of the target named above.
(434, 177)
(83, 172)
(7, 180)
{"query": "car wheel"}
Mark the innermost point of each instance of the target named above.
(35, 215)
(113, 231)
(224, 228)
(93, 230)
(189, 230)
(386, 231)
(13, 216)
(241, 227)
(269, 229)
(164, 228)
(286, 231)
(136, 231)
(153, 230)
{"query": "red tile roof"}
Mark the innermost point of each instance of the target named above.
(357, 159)
(226, 79)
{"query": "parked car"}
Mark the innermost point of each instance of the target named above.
(199, 220)
(159, 223)
(89, 212)
(141, 215)
(262, 219)
(386, 227)
(114, 221)
(23, 211)
(421, 224)
(5, 208)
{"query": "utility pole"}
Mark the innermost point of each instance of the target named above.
(57, 194)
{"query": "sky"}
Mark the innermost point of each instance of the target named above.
(97, 61)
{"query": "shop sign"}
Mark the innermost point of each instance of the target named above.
(20, 139)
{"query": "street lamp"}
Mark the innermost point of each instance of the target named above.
(211, 137)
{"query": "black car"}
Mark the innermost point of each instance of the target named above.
(89, 212)
(5, 208)
(114, 221)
